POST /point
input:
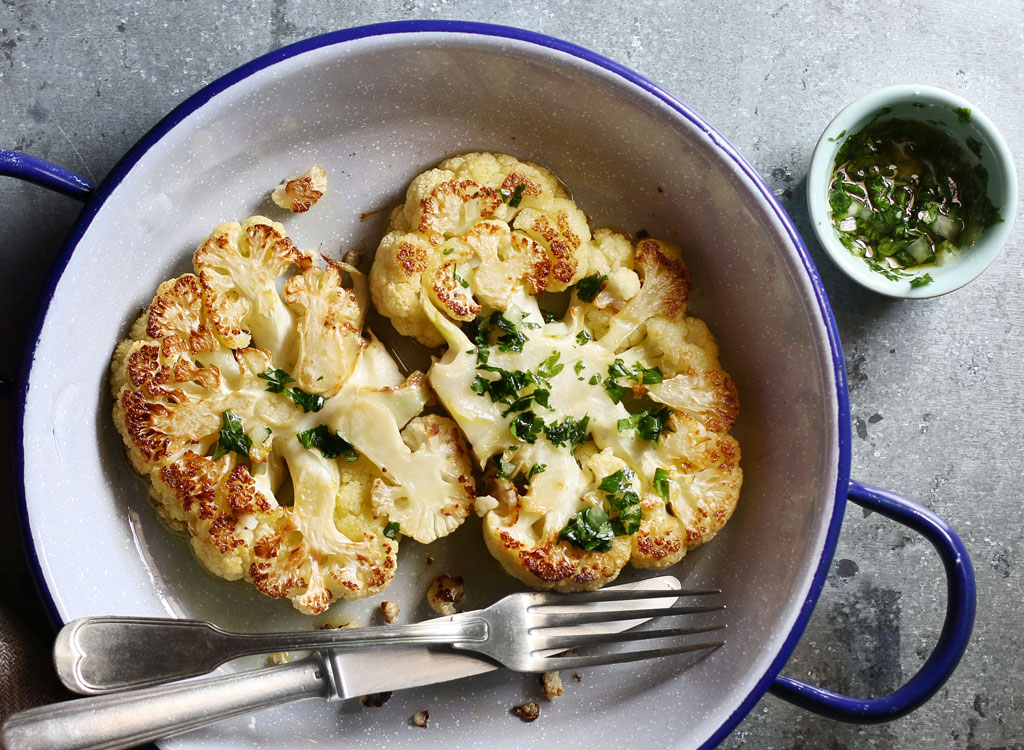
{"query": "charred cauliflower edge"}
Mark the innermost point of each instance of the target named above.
(247, 410)
(603, 435)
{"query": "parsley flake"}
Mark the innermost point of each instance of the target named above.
(589, 530)
(392, 530)
(232, 436)
(328, 442)
(568, 431)
(276, 379)
(526, 427)
(661, 484)
(588, 287)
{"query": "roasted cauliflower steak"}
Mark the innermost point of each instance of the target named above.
(603, 434)
(243, 393)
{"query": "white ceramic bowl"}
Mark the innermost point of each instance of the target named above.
(936, 107)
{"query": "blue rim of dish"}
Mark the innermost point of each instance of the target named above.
(197, 100)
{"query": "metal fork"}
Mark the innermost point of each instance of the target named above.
(523, 631)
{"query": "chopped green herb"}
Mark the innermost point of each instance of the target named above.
(588, 287)
(838, 137)
(583, 337)
(921, 280)
(620, 481)
(589, 530)
(614, 390)
(550, 366)
(308, 401)
(448, 251)
(567, 431)
(578, 368)
(459, 280)
(276, 379)
(328, 442)
(548, 316)
(648, 424)
(647, 375)
(618, 369)
(661, 484)
(392, 530)
(514, 198)
(624, 502)
(629, 514)
(595, 379)
(537, 469)
(963, 114)
(526, 427)
(505, 468)
(232, 436)
(266, 436)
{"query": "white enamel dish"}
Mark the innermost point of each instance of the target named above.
(375, 106)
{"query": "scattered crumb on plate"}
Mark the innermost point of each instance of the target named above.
(528, 711)
(390, 612)
(300, 192)
(375, 700)
(420, 719)
(552, 684)
(445, 592)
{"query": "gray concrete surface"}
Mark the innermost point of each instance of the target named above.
(935, 385)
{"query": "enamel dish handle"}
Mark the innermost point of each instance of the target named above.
(956, 630)
(40, 172)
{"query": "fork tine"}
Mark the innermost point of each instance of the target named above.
(586, 618)
(596, 660)
(541, 643)
(545, 599)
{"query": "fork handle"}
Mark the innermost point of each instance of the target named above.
(123, 720)
(100, 654)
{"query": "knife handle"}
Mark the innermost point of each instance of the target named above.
(129, 718)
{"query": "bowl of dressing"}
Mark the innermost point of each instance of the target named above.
(912, 191)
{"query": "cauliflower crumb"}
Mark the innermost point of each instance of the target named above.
(276, 660)
(375, 700)
(390, 612)
(528, 711)
(552, 684)
(420, 719)
(300, 192)
(445, 592)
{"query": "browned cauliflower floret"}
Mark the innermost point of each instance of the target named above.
(605, 435)
(330, 319)
(475, 231)
(238, 265)
(271, 456)
(300, 192)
